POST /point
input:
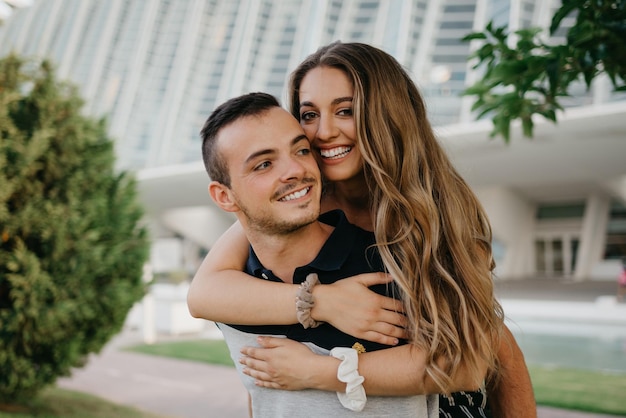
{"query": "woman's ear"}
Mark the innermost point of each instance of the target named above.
(223, 197)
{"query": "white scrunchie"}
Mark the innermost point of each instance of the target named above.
(354, 398)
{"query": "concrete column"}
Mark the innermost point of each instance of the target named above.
(512, 220)
(592, 235)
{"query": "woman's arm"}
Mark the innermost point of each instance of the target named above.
(222, 292)
(512, 394)
(288, 365)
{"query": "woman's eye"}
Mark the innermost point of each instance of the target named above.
(307, 116)
(345, 112)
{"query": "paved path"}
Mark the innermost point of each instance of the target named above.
(169, 387)
(183, 389)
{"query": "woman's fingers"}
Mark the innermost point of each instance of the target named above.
(387, 326)
(279, 364)
(391, 304)
(257, 369)
(261, 378)
(266, 343)
(253, 352)
(272, 342)
(268, 384)
(371, 279)
(389, 335)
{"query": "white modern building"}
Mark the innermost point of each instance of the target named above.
(156, 69)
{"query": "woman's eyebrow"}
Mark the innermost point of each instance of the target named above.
(334, 102)
(341, 100)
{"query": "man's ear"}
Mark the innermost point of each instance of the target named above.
(223, 197)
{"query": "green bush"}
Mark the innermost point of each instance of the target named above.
(71, 244)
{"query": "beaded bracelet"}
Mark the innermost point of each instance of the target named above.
(304, 302)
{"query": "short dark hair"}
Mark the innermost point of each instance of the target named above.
(251, 104)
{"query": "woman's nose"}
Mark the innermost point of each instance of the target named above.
(326, 129)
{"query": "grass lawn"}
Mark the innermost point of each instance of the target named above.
(204, 351)
(582, 390)
(60, 403)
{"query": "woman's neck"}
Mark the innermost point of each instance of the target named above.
(353, 199)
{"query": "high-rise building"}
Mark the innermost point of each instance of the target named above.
(156, 69)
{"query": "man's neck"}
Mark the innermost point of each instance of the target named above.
(283, 253)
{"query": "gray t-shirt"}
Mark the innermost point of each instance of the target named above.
(273, 403)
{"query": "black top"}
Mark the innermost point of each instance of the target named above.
(348, 251)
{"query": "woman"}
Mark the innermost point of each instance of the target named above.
(385, 170)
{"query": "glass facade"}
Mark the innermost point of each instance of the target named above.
(156, 68)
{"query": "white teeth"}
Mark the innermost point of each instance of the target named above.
(335, 152)
(295, 195)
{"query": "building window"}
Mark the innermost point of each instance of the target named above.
(560, 211)
(616, 232)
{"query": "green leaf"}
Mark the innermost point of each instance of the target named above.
(473, 36)
(566, 8)
(527, 127)
(509, 71)
(476, 89)
(502, 126)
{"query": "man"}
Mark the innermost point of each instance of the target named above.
(262, 170)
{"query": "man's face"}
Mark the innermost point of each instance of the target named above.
(275, 182)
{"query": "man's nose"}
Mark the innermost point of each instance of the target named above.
(294, 169)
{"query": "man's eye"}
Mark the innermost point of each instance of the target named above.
(304, 151)
(262, 166)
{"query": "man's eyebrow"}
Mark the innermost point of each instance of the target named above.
(298, 139)
(255, 155)
(270, 151)
(334, 102)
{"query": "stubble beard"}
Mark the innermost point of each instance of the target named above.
(270, 226)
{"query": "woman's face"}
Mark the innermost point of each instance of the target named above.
(326, 115)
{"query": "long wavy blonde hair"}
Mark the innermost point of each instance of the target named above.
(432, 233)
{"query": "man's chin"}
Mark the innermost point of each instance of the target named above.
(296, 225)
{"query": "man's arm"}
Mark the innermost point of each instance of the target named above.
(512, 394)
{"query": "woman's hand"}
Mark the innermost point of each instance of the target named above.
(285, 364)
(350, 306)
